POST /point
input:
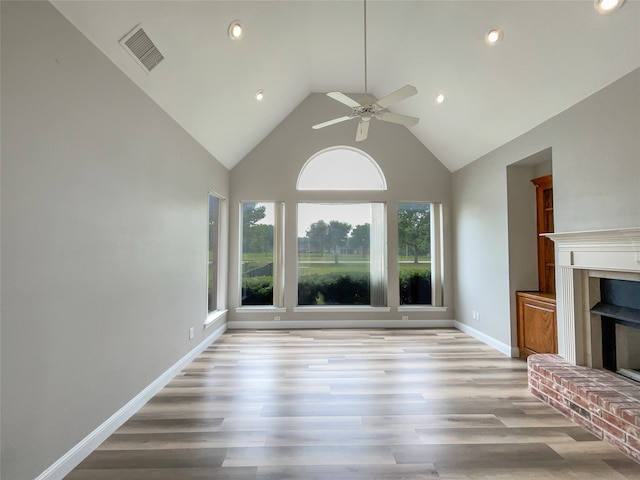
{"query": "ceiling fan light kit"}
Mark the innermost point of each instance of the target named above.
(377, 109)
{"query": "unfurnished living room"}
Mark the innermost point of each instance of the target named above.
(348, 239)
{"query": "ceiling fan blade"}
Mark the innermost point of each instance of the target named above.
(332, 122)
(342, 98)
(363, 130)
(400, 94)
(397, 118)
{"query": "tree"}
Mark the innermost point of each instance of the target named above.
(252, 237)
(414, 228)
(337, 233)
(260, 238)
(252, 214)
(317, 235)
(359, 239)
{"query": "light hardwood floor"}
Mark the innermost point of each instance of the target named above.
(351, 404)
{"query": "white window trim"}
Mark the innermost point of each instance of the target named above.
(221, 294)
(260, 309)
(213, 316)
(340, 308)
(278, 257)
(421, 308)
(437, 263)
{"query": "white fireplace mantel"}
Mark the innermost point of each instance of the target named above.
(616, 250)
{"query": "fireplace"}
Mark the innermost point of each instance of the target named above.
(596, 331)
(619, 316)
(582, 260)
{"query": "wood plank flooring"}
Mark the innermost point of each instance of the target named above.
(351, 404)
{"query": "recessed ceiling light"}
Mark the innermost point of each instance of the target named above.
(607, 6)
(235, 30)
(494, 36)
(259, 95)
(441, 98)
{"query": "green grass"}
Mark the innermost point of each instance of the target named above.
(313, 263)
(257, 257)
(324, 268)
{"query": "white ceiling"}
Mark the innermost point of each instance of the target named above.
(553, 54)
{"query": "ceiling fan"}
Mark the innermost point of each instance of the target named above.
(377, 109)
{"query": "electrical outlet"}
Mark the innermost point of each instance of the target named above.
(192, 333)
(405, 317)
(277, 319)
(478, 316)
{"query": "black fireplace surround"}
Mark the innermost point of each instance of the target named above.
(619, 304)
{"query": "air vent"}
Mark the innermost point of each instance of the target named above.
(140, 46)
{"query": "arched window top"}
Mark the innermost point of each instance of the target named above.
(341, 168)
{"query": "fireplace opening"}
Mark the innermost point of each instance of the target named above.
(619, 310)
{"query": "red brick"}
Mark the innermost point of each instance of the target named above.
(619, 409)
(612, 430)
(560, 406)
(551, 393)
(583, 386)
(631, 430)
(570, 380)
(539, 394)
(633, 442)
(581, 401)
(609, 401)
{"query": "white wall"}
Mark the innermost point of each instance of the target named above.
(104, 238)
(270, 171)
(596, 174)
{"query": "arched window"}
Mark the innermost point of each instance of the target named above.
(341, 244)
(341, 168)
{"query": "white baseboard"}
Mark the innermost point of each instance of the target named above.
(79, 452)
(316, 324)
(503, 348)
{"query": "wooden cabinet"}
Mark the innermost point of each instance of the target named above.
(537, 331)
(536, 311)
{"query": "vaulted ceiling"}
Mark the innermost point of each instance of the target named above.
(552, 55)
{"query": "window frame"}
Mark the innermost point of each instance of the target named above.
(374, 169)
(437, 261)
(381, 261)
(221, 264)
(277, 304)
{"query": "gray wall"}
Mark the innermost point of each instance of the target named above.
(596, 173)
(104, 238)
(271, 170)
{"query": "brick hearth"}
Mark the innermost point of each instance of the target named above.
(604, 403)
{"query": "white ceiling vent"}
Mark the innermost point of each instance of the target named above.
(140, 46)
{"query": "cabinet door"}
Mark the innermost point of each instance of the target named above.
(536, 326)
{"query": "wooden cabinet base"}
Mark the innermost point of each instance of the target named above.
(537, 331)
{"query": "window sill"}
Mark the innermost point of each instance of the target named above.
(213, 316)
(421, 308)
(341, 308)
(260, 309)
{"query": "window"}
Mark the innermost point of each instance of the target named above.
(418, 269)
(212, 270)
(262, 248)
(341, 254)
(341, 168)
